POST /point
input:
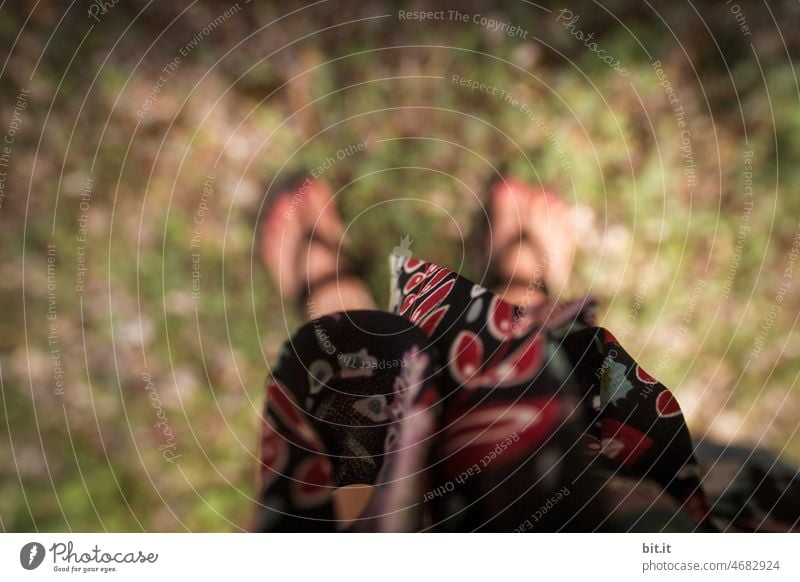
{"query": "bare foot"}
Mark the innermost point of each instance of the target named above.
(533, 242)
(350, 501)
(301, 236)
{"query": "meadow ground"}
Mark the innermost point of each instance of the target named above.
(138, 327)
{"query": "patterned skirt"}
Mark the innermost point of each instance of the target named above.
(467, 413)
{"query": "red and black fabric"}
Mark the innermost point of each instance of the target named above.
(326, 419)
(469, 414)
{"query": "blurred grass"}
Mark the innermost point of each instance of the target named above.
(90, 460)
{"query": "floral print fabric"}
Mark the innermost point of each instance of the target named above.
(469, 414)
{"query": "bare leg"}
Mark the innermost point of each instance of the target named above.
(534, 234)
(296, 263)
(350, 501)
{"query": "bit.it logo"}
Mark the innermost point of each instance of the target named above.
(31, 555)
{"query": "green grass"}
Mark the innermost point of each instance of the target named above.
(89, 459)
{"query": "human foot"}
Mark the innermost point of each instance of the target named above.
(301, 237)
(532, 242)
